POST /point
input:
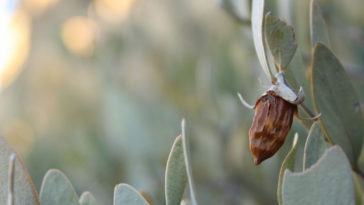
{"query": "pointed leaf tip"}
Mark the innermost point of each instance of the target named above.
(175, 176)
(258, 36)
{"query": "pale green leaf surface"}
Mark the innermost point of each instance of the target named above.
(258, 35)
(318, 28)
(329, 181)
(336, 100)
(187, 157)
(24, 191)
(281, 41)
(175, 178)
(87, 199)
(125, 194)
(315, 146)
(56, 189)
(288, 163)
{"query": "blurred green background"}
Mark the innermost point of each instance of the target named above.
(97, 89)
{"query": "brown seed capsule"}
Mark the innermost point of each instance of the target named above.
(272, 122)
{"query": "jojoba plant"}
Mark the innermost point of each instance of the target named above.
(330, 172)
(334, 144)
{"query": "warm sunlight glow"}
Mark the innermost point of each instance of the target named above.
(37, 7)
(15, 42)
(113, 10)
(78, 35)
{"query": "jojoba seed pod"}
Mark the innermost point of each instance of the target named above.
(272, 122)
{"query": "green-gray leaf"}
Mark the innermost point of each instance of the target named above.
(336, 100)
(329, 181)
(281, 40)
(56, 189)
(317, 25)
(315, 146)
(258, 35)
(87, 199)
(175, 178)
(24, 191)
(288, 163)
(126, 194)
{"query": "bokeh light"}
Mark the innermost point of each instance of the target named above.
(112, 10)
(78, 35)
(102, 85)
(15, 44)
(37, 7)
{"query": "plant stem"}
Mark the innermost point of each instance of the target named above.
(307, 110)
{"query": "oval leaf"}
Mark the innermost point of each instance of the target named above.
(329, 181)
(281, 41)
(126, 194)
(258, 35)
(56, 189)
(336, 100)
(175, 179)
(317, 25)
(87, 199)
(24, 191)
(315, 146)
(288, 163)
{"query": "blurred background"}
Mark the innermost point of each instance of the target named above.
(97, 89)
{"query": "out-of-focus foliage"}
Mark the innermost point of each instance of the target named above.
(106, 83)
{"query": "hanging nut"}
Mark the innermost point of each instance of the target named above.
(272, 122)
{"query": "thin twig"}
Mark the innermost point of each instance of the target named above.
(307, 110)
